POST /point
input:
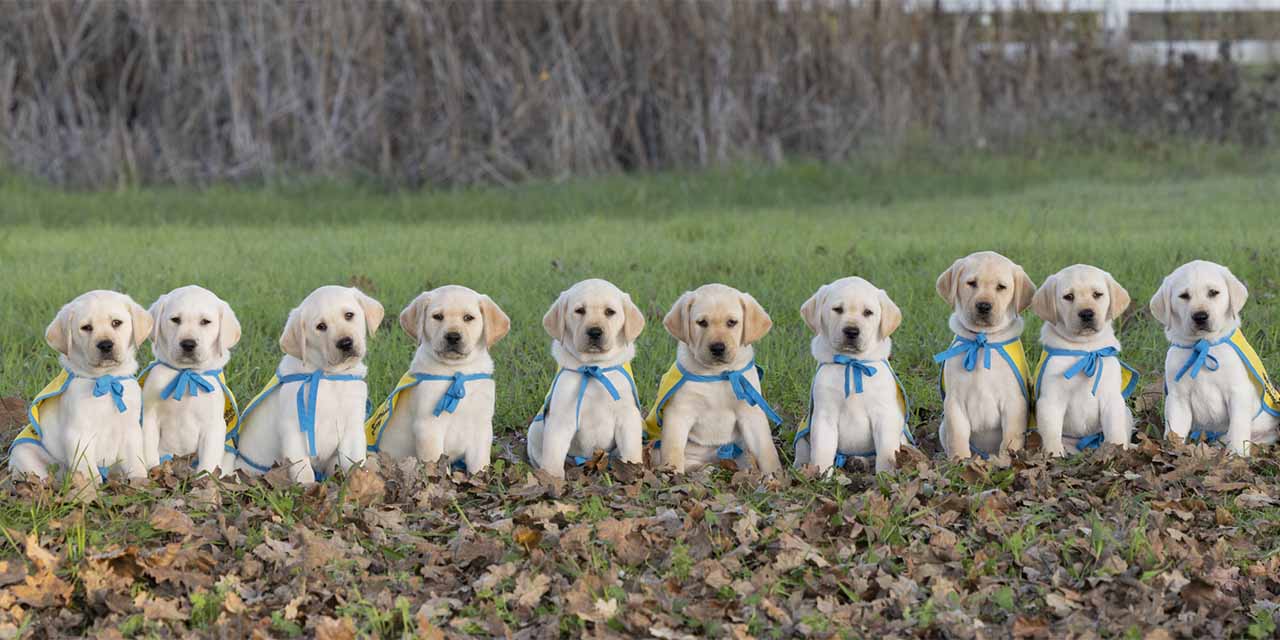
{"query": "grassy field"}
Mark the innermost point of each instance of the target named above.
(631, 551)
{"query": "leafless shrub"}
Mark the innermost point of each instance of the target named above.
(447, 92)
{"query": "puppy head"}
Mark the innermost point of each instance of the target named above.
(328, 329)
(454, 322)
(594, 320)
(1080, 300)
(852, 315)
(193, 328)
(99, 330)
(1199, 298)
(715, 321)
(987, 291)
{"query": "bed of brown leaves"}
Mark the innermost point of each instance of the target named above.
(1155, 542)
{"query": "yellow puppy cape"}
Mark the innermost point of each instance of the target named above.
(978, 350)
(1090, 363)
(854, 371)
(190, 382)
(308, 391)
(676, 377)
(1202, 359)
(457, 390)
(589, 373)
(104, 386)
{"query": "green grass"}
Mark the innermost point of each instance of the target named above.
(777, 233)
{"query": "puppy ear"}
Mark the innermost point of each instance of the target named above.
(634, 323)
(411, 317)
(1119, 298)
(890, 315)
(755, 321)
(59, 332)
(1045, 301)
(1160, 307)
(553, 321)
(1236, 291)
(948, 283)
(294, 339)
(496, 322)
(811, 310)
(677, 319)
(142, 323)
(373, 310)
(1023, 289)
(228, 327)
(157, 315)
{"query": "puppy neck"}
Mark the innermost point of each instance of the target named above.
(290, 365)
(1008, 332)
(1177, 337)
(822, 351)
(1053, 337)
(127, 367)
(426, 361)
(569, 360)
(685, 357)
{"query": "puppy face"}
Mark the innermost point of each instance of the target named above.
(99, 330)
(454, 322)
(715, 321)
(1080, 300)
(1199, 298)
(594, 319)
(193, 327)
(328, 329)
(852, 315)
(987, 290)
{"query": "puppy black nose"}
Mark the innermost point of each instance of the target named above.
(983, 307)
(852, 332)
(453, 337)
(106, 346)
(346, 344)
(595, 332)
(717, 348)
(1200, 317)
(188, 345)
(1086, 314)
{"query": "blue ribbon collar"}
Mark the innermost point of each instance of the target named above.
(742, 388)
(1200, 358)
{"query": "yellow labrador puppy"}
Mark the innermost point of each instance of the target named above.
(709, 403)
(857, 407)
(1216, 386)
(88, 419)
(310, 417)
(984, 373)
(1081, 385)
(186, 403)
(592, 405)
(444, 404)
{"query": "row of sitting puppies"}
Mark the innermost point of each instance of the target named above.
(314, 416)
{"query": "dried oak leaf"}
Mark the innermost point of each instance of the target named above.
(171, 520)
(331, 629)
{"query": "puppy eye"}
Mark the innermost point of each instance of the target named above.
(322, 327)
(731, 323)
(87, 327)
(468, 318)
(1001, 287)
(867, 313)
(204, 322)
(609, 312)
(703, 323)
(175, 320)
(1069, 297)
(115, 324)
(1213, 293)
(350, 315)
(973, 283)
(838, 310)
(1097, 295)
(1184, 295)
(439, 317)
(580, 311)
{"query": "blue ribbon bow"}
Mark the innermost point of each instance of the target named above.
(456, 391)
(742, 388)
(969, 348)
(589, 373)
(111, 385)
(308, 393)
(188, 382)
(1200, 358)
(854, 369)
(1090, 363)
